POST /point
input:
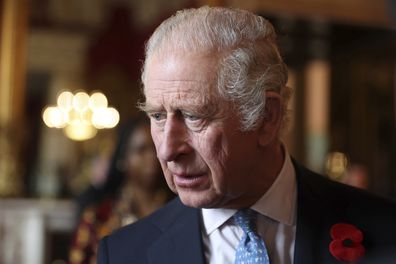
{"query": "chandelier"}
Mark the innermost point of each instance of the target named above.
(81, 115)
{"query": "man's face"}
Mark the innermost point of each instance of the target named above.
(205, 157)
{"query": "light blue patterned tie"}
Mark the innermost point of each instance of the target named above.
(251, 249)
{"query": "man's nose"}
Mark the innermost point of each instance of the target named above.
(174, 140)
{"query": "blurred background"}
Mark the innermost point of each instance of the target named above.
(69, 78)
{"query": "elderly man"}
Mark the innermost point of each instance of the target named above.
(215, 91)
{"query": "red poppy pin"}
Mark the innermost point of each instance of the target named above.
(347, 243)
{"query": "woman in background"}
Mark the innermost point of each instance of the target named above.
(134, 188)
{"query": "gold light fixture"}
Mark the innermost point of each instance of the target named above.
(81, 115)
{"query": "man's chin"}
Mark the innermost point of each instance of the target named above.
(193, 200)
(209, 200)
(199, 200)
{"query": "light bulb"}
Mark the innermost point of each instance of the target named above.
(79, 131)
(97, 100)
(54, 117)
(113, 118)
(80, 101)
(65, 101)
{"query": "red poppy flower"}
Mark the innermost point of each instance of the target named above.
(347, 243)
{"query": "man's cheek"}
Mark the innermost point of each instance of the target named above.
(170, 183)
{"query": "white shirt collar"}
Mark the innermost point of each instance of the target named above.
(278, 203)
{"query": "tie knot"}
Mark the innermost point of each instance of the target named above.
(251, 248)
(246, 219)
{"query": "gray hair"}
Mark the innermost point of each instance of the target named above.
(249, 59)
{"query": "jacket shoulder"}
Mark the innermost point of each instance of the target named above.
(340, 194)
(130, 243)
(322, 203)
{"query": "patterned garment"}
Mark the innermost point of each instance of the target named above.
(251, 249)
(97, 221)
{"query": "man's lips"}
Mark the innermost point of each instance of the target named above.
(189, 180)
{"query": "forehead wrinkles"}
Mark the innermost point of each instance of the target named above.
(180, 94)
(177, 80)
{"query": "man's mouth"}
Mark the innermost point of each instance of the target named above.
(189, 180)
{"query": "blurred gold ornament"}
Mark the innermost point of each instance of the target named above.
(336, 165)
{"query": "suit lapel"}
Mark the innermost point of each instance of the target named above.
(180, 241)
(315, 216)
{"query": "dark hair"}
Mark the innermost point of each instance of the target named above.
(115, 175)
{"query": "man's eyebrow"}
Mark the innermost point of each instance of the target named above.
(204, 107)
(143, 106)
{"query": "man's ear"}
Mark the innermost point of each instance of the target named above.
(273, 113)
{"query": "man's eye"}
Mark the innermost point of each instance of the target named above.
(194, 122)
(158, 116)
(191, 117)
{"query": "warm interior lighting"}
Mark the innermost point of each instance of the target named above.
(97, 101)
(65, 101)
(105, 118)
(80, 131)
(80, 115)
(55, 117)
(336, 165)
(80, 101)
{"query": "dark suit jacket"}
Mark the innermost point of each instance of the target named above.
(172, 234)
